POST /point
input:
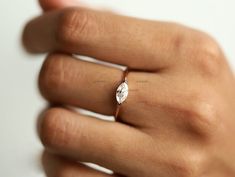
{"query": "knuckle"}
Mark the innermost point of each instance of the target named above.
(51, 77)
(179, 40)
(52, 129)
(72, 25)
(183, 169)
(190, 165)
(208, 55)
(202, 114)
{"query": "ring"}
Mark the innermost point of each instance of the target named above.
(122, 92)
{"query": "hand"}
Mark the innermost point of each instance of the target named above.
(178, 120)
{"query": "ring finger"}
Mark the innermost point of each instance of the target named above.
(69, 81)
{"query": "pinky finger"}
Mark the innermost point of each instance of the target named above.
(56, 166)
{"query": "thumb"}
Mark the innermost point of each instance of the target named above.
(57, 4)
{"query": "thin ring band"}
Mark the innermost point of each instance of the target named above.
(121, 93)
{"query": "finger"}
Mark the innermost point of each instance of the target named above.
(55, 166)
(139, 44)
(87, 139)
(69, 81)
(57, 4)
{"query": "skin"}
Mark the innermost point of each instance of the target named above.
(178, 120)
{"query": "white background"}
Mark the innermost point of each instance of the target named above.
(20, 102)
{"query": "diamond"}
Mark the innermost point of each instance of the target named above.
(122, 93)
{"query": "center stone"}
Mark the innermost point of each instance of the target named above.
(122, 93)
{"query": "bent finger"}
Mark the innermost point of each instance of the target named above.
(86, 139)
(136, 43)
(56, 166)
(69, 81)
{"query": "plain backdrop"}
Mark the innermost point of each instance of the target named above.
(20, 102)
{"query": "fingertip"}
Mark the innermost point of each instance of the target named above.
(57, 4)
(26, 38)
(51, 163)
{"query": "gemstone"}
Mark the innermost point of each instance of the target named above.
(122, 93)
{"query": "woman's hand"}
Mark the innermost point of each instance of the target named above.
(178, 120)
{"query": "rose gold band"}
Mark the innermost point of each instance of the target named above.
(124, 79)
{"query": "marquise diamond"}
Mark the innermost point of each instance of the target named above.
(122, 93)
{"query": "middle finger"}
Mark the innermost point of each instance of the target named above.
(136, 43)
